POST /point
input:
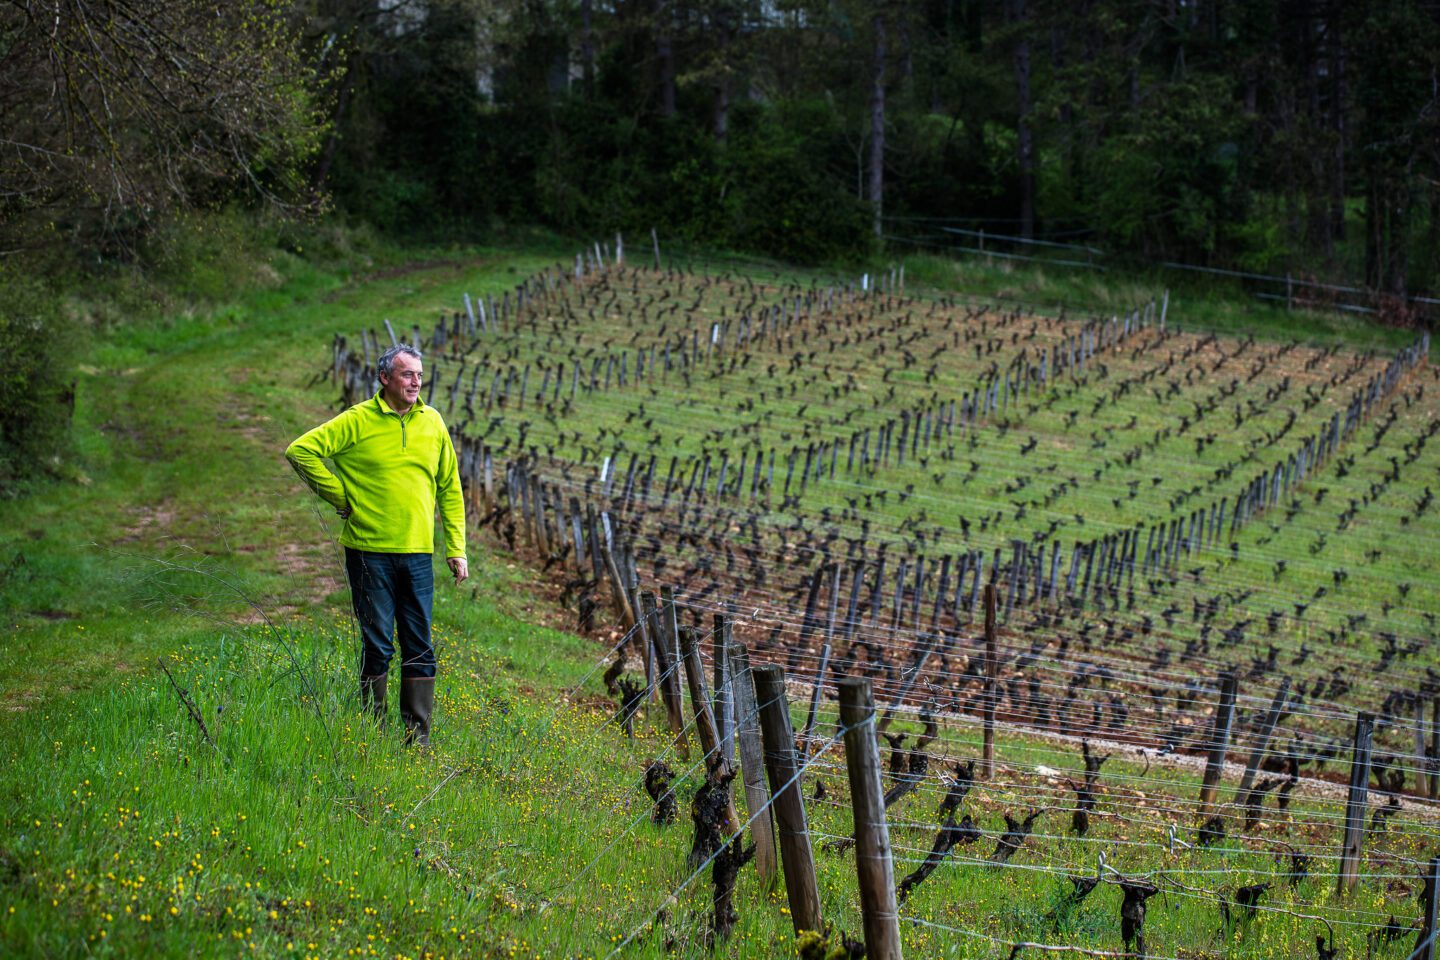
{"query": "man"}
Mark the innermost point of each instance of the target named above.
(393, 459)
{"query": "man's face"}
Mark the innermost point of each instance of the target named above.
(402, 386)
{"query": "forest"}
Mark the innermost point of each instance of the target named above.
(1298, 137)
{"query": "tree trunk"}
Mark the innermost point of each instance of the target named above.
(1058, 62)
(907, 54)
(332, 136)
(722, 108)
(1315, 49)
(721, 120)
(1387, 230)
(587, 49)
(1397, 260)
(665, 55)
(1067, 111)
(1024, 138)
(877, 125)
(1374, 235)
(1337, 113)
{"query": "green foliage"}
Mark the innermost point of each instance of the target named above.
(420, 153)
(1168, 176)
(118, 114)
(787, 200)
(392, 201)
(1259, 242)
(37, 391)
(766, 189)
(1232, 138)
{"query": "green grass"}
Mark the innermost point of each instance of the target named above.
(307, 831)
(177, 533)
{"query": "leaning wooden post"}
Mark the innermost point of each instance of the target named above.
(1422, 768)
(824, 654)
(1219, 741)
(1355, 804)
(1425, 943)
(617, 588)
(992, 693)
(667, 666)
(705, 721)
(872, 834)
(699, 699)
(1262, 742)
(781, 763)
(647, 650)
(752, 762)
(1434, 747)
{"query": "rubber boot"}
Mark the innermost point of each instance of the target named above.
(417, 700)
(372, 695)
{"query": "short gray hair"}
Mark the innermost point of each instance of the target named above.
(386, 363)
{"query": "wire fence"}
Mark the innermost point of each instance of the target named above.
(1295, 292)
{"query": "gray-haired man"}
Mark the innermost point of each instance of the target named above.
(393, 460)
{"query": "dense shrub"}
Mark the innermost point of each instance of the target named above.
(37, 392)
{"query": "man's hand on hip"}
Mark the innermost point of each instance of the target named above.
(460, 568)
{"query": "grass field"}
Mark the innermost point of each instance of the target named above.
(179, 535)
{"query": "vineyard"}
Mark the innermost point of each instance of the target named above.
(1147, 615)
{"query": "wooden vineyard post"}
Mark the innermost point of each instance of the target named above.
(724, 700)
(781, 763)
(1219, 741)
(519, 488)
(1425, 943)
(872, 834)
(647, 649)
(577, 536)
(992, 694)
(824, 654)
(1422, 768)
(752, 762)
(617, 588)
(1355, 805)
(699, 701)
(705, 720)
(1434, 747)
(1262, 742)
(537, 500)
(667, 666)
(597, 566)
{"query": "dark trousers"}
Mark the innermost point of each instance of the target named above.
(392, 594)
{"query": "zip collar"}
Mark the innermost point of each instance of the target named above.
(385, 409)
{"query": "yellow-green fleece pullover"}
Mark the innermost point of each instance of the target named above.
(389, 470)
